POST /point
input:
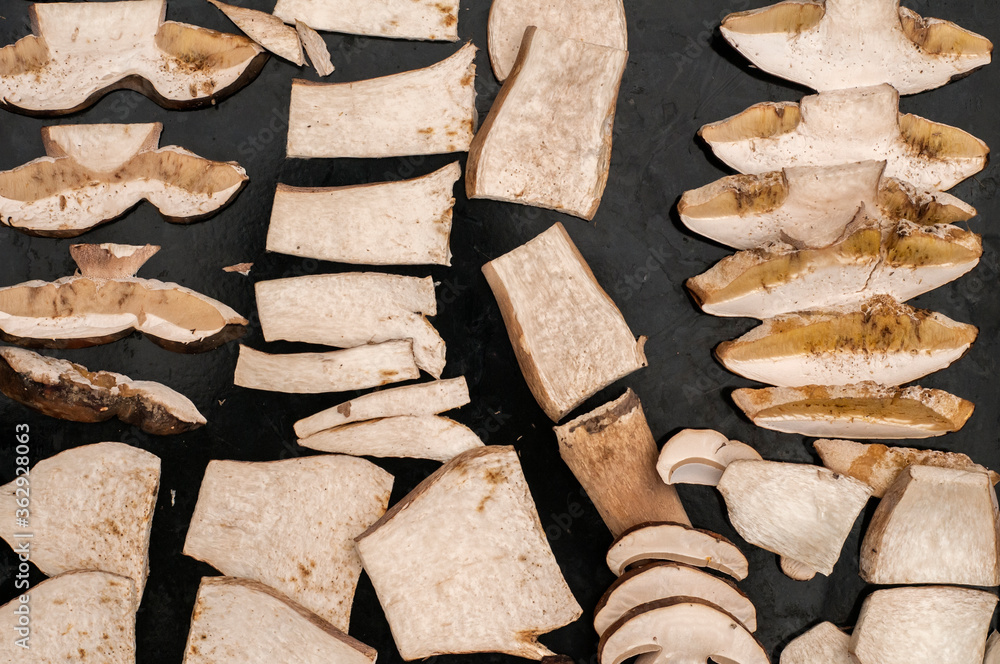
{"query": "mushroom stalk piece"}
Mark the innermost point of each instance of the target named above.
(421, 437)
(265, 29)
(81, 50)
(836, 44)
(431, 20)
(992, 655)
(700, 456)
(679, 543)
(315, 46)
(823, 644)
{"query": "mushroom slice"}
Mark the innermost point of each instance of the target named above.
(836, 44)
(923, 625)
(91, 508)
(680, 629)
(319, 54)
(878, 466)
(417, 436)
(798, 511)
(338, 371)
(680, 543)
(81, 50)
(388, 223)
(547, 139)
(700, 456)
(665, 580)
(71, 392)
(569, 337)
(290, 525)
(82, 616)
(992, 655)
(461, 564)
(810, 206)
(267, 30)
(882, 341)
(236, 621)
(846, 126)
(823, 644)
(934, 525)
(424, 111)
(431, 20)
(864, 410)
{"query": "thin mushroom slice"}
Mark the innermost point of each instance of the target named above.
(421, 437)
(823, 644)
(836, 44)
(847, 126)
(700, 456)
(315, 46)
(679, 543)
(267, 30)
(992, 655)
(431, 20)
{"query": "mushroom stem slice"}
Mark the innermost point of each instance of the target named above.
(795, 569)
(432, 20)
(266, 29)
(315, 46)
(679, 543)
(421, 437)
(823, 644)
(699, 456)
(992, 655)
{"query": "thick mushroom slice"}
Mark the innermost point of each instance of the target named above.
(71, 392)
(547, 139)
(800, 512)
(679, 543)
(934, 525)
(837, 44)
(80, 616)
(864, 410)
(923, 625)
(424, 111)
(267, 30)
(315, 46)
(416, 436)
(81, 50)
(290, 525)
(461, 564)
(569, 337)
(388, 223)
(431, 20)
(236, 621)
(699, 456)
(823, 644)
(91, 508)
(847, 126)
(351, 309)
(882, 341)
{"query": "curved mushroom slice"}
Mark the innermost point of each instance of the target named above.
(387, 223)
(800, 512)
(421, 437)
(923, 625)
(80, 51)
(700, 456)
(431, 20)
(864, 410)
(267, 30)
(547, 139)
(236, 621)
(290, 525)
(882, 341)
(847, 126)
(680, 543)
(935, 525)
(823, 644)
(424, 111)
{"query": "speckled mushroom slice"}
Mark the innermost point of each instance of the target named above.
(355, 368)
(81, 616)
(68, 391)
(863, 410)
(267, 30)
(847, 126)
(290, 525)
(430, 20)
(91, 508)
(800, 512)
(424, 111)
(923, 625)
(387, 223)
(462, 565)
(236, 621)
(351, 309)
(992, 655)
(810, 206)
(679, 543)
(934, 525)
(699, 456)
(823, 644)
(81, 50)
(836, 44)
(319, 54)
(414, 436)
(547, 139)
(569, 337)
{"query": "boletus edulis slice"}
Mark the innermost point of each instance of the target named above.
(267, 30)
(430, 20)
(415, 436)
(315, 47)
(823, 644)
(699, 456)
(679, 543)
(992, 655)
(81, 50)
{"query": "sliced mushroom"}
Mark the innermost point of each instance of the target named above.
(239, 268)
(823, 644)
(846, 126)
(836, 44)
(432, 20)
(882, 341)
(290, 525)
(864, 410)
(388, 223)
(466, 548)
(547, 139)
(267, 30)
(680, 543)
(425, 111)
(315, 46)
(80, 51)
(415, 436)
(992, 655)
(700, 456)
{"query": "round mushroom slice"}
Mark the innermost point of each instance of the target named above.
(700, 456)
(683, 544)
(683, 630)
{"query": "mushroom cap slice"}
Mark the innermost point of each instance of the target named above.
(823, 644)
(679, 543)
(864, 410)
(432, 20)
(700, 456)
(267, 30)
(934, 525)
(415, 436)
(923, 625)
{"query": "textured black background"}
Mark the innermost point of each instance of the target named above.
(680, 75)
